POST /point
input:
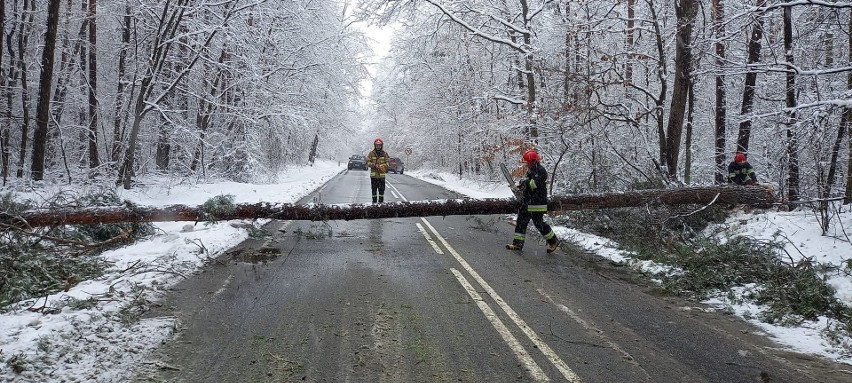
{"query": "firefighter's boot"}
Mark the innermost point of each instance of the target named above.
(552, 245)
(515, 246)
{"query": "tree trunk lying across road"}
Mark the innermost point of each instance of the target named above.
(748, 195)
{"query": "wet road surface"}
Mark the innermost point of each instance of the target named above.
(440, 299)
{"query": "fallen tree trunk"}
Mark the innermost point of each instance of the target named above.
(749, 195)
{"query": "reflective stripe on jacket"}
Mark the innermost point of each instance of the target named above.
(738, 174)
(535, 189)
(376, 160)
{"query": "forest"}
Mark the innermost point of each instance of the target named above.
(189, 89)
(627, 94)
(616, 95)
(637, 108)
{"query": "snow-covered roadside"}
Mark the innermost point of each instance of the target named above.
(800, 230)
(802, 235)
(94, 344)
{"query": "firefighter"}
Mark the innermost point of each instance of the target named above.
(378, 160)
(740, 171)
(534, 204)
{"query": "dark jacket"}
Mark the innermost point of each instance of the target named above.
(378, 161)
(534, 187)
(740, 173)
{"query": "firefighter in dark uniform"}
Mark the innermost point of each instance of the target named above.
(378, 160)
(740, 171)
(534, 204)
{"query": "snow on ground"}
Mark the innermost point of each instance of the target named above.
(800, 230)
(802, 235)
(95, 344)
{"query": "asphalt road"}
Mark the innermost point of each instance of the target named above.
(440, 299)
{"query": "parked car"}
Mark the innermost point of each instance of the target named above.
(396, 165)
(357, 161)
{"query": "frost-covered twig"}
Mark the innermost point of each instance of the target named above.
(702, 208)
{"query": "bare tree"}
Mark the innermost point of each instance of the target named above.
(94, 160)
(686, 11)
(170, 20)
(523, 48)
(27, 15)
(13, 75)
(687, 143)
(721, 91)
(847, 119)
(4, 131)
(68, 63)
(214, 88)
(120, 113)
(620, 94)
(631, 25)
(662, 75)
(754, 47)
(25, 93)
(790, 102)
(45, 83)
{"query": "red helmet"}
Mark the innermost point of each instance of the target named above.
(531, 157)
(739, 157)
(378, 141)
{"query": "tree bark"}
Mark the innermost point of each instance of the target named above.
(164, 146)
(728, 195)
(43, 108)
(687, 142)
(9, 81)
(662, 76)
(532, 131)
(721, 92)
(792, 140)
(94, 160)
(23, 43)
(686, 11)
(845, 119)
(4, 131)
(567, 99)
(206, 107)
(67, 61)
(631, 23)
(754, 47)
(120, 117)
(847, 113)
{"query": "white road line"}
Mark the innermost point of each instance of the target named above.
(224, 285)
(592, 329)
(398, 194)
(516, 347)
(429, 239)
(563, 368)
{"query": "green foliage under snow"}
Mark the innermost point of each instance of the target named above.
(46, 260)
(705, 264)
